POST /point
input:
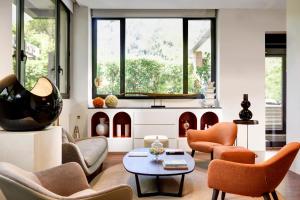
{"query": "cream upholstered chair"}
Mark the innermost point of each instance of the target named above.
(89, 153)
(67, 181)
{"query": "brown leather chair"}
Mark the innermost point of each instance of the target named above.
(222, 133)
(253, 180)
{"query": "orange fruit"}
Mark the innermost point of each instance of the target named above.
(98, 102)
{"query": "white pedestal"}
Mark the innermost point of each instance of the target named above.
(34, 150)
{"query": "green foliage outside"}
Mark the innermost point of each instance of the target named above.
(151, 76)
(199, 76)
(273, 79)
(40, 33)
(144, 75)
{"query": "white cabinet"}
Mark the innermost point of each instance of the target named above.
(169, 130)
(147, 121)
(32, 150)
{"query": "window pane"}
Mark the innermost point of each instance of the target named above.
(154, 56)
(199, 55)
(273, 93)
(14, 31)
(108, 56)
(63, 51)
(39, 35)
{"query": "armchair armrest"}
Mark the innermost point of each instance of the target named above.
(71, 153)
(64, 180)
(197, 135)
(237, 178)
(123, 192)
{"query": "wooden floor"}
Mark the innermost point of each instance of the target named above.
(289, 188)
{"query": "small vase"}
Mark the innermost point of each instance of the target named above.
(156, 148)
(186, 126)
(102, 128)
(245, 114)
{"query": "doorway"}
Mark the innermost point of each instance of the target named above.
(275, 90)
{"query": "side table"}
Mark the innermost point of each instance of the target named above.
(247, 123)
(32, 150)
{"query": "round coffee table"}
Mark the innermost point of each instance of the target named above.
(147, 166)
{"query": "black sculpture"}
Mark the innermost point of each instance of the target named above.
(23, 110)
(245, 114)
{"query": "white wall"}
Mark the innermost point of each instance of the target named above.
(293, 73)
(5, 38)
(77, 105)
(241, 62)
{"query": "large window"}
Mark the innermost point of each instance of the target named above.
(134, 57)
(41, 42)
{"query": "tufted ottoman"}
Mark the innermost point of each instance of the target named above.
(234, 154)
(149, 139)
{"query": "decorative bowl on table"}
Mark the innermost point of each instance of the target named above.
(157, 148)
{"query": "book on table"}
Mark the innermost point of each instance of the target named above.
(138, 154)
(174, 151)
(179, 164)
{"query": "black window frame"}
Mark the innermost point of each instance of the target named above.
(276, 46)
(19, 55)
(122, 20)
(59, 70)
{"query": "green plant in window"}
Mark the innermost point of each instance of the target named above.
(204, 70)
(143, 75)
(109, 73)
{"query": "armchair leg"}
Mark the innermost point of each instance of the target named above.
(193, 153)
(215, 194)
(211, 155)
(274, 195)
(223, 195)
(266, 196)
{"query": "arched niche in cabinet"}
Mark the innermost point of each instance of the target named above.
(187, 120)
(96, 118)
(208, 119)
(122, 125)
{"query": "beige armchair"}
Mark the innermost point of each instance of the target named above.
(67, 181)
(89, 153)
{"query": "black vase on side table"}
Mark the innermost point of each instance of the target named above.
(245, 114)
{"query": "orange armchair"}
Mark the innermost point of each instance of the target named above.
(253, 180)
(222, 133)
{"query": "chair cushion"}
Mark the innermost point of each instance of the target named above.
(92, 149)
(234, 154)
(206, 147)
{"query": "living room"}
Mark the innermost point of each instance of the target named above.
(139, 78)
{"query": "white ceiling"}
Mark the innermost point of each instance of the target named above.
(183, 4)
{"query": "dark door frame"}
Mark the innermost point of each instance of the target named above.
(270, 52)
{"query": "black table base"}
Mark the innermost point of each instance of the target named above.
(159, 192)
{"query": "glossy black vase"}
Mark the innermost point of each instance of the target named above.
(245, 114)
(23, 110)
